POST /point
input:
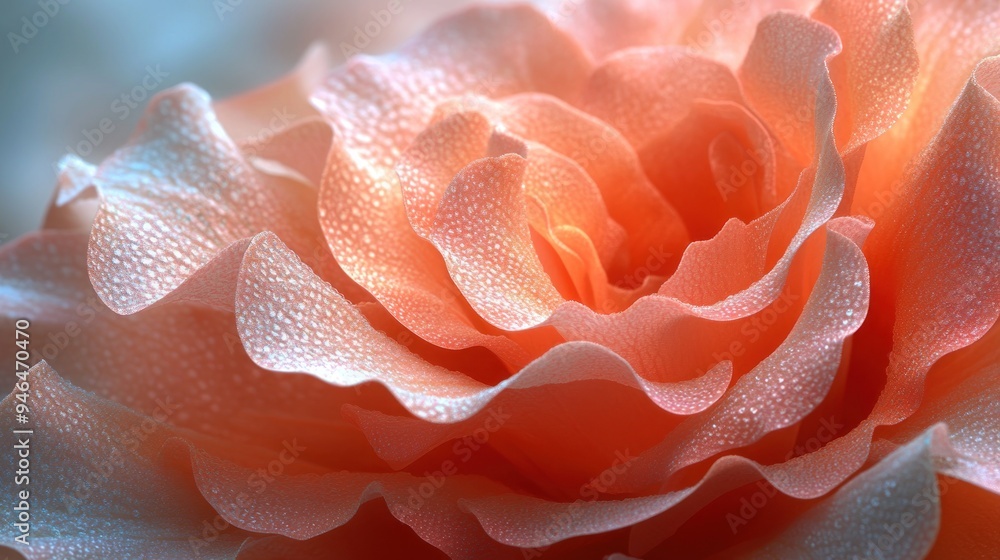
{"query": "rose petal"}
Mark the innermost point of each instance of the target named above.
(183, 358)
(304, 506)
(99, 488)
(175, 198)
(875, 72)
(300, 148)
(481, 229)
(875, 513)
(972, 413)
(721, 29)
(644, 93)
(479, 50)
(951, 39)
(785, 92)
(936, 248)
(787, 385)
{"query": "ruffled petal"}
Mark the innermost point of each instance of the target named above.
(951, 38)
(876, 70)
(788, 384)
(644, 93)
(891, 510)
(98, 485)
(482, 231)
(482, 50)
(938, 274)
(721, 29)
(176, 197)
(184, 355)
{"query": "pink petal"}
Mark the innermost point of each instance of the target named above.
(99, 487)
(175, 198)
(482, 231)
(185, 355)
(891, 510)
(876, 70)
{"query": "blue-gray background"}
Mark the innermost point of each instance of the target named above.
(66, 78)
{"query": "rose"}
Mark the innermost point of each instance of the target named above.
(572, 285)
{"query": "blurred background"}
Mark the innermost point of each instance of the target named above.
(66, 65)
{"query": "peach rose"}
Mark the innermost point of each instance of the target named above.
(589, 280)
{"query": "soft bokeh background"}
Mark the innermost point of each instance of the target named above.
(73, 70)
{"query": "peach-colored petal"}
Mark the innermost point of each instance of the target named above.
(725, 29)
(423, 298)
(968, 515)
(891, 510)
(401, 440)
(304, 506)
(742, 246)
(72, 205)
(972, 415)
(332, 339)
(175, 198)
(481, 50)
(566, 208)
(787, 385)
(300, 149)
(351, 541)
(936, 248)
(185, 356)
(556, 192)
(477, 51)
(644, 93)
(668, 341)
(607, 27)
(951, 38)
(428, 166)
(721, 29)
(783, 77)
(482, 231)
(875, 71)
(103, 490)
(570, 198)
